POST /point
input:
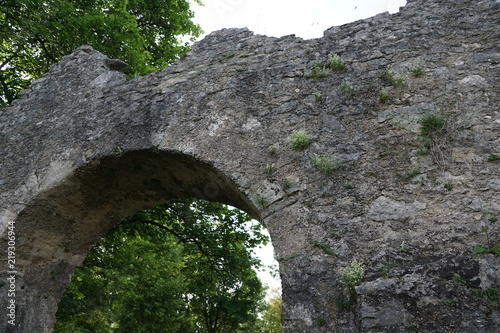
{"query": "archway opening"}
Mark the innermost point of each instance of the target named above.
(187, 266)
(65, 221)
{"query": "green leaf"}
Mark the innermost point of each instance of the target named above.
(172, 268)
(35, 34)
(479, 249)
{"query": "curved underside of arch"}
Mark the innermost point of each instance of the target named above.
(61, 224)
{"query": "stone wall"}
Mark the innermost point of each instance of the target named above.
(85, 147)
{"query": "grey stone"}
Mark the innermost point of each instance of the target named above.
(85, 147)
(384, 208)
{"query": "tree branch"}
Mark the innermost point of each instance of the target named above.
(9, 96)
(44, 49)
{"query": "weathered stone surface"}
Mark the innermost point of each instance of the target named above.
(85, 147)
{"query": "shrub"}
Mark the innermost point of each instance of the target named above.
(287, 183)
(320, 70)
(390, 77)
(262, 200)
(346, 88)
(273, 149)
(384, 96)
(417, 70)
(335, 63)
(352, 275)
(317, 97)
(326, 164)
(317, 71)
(299, 140)
(432, 125)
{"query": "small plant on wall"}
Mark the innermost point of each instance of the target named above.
(384, 96)
(319, 70)
(336, 63)
(317, 97)
(433, 131)
(263, 201)
(489, 247)
(350, 277)
(326, 164)
(417, 69)
(299, 140)
(392, 78)
(346, 88)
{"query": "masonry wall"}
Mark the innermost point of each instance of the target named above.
(85, 147)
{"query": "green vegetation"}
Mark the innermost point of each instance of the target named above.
(404, 249)
(352, 275)
(317, 71)
(346, 88)
(321, 322)
(434, 133)
(432, 125)
(451, 302)
(459, 279)
(335, 63)
(287, 183)
(326, 164)
(384, 96)
(393, 79)
(493, 158)
(491, 294)
(321, 70)
(417, 69)
(36, 34)
(272, 316)
(317, 97)
(270, 168)
(273, 150)
(262, 200)
(488, 247)
(299, 140)
(182, 267)
(415, 171)
(324, 247)
(387, 267)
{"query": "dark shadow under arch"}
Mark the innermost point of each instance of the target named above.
(61, 224)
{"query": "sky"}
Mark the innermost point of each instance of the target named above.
(306, 19)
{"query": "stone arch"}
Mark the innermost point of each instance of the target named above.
(235, 95)
(62, 223)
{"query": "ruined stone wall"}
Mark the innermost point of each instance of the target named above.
(85, 147)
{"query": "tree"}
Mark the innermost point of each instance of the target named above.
(127, 283)
(37, 33)
(272, 316)
(185, 266)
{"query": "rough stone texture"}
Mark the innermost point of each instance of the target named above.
(85, 147)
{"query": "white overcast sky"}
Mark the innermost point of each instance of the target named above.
(306, 19)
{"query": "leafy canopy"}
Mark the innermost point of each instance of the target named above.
(36, 33)
(186, 266)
